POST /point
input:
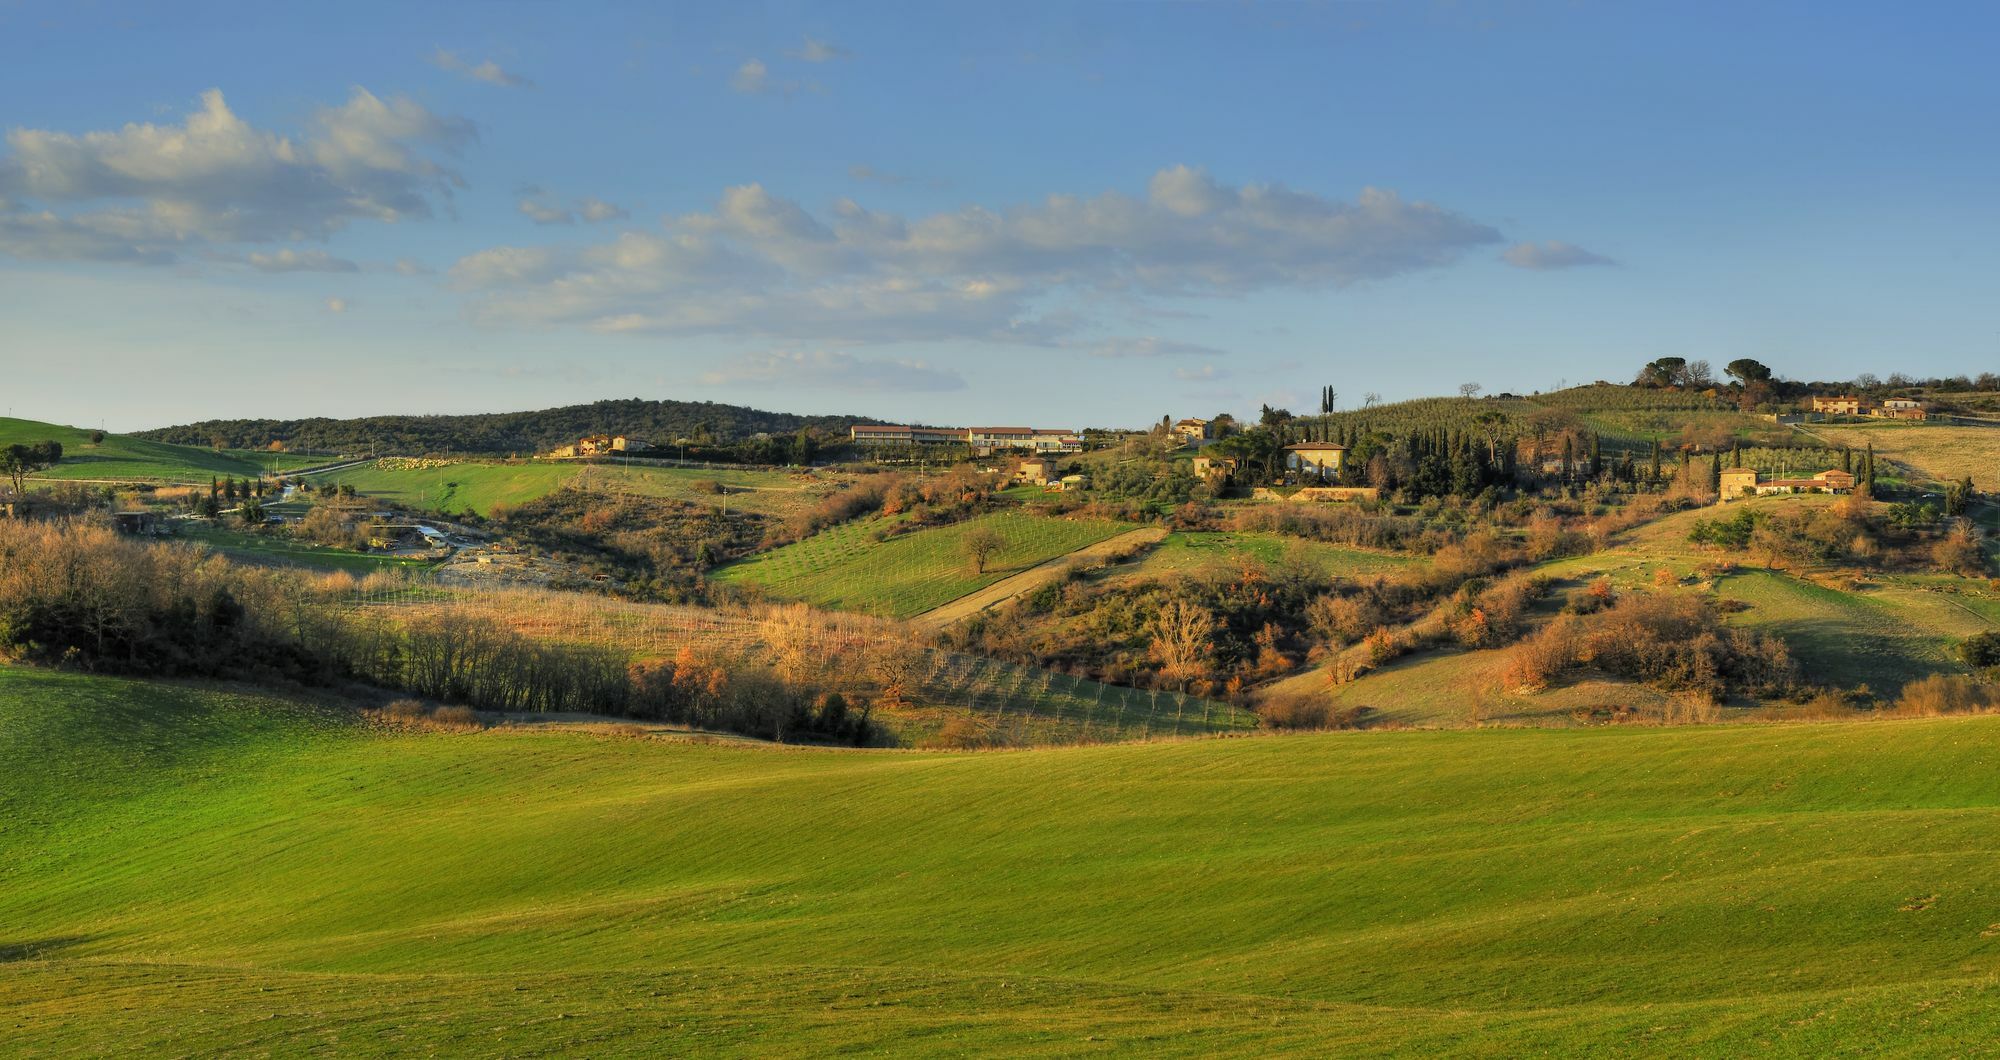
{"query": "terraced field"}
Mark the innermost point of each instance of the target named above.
(135, 459)
(847, 568)
(477, 486)
(203, 872)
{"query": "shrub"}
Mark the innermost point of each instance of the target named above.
(1981, 649)
(457, 717)
(406, 710)
(1946, 694)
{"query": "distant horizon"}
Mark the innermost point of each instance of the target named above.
(1141, 424)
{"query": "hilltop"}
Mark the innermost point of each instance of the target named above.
(659, 422)
(137, 458)
(212, 871)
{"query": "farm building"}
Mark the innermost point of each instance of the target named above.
(897, 434)
(1743, 481)
(1319, 459)
(987, 440)
(1841, 405)
(1900, 409)
(1192, 431)
(1037, 471)
(1070, 484)
(1214, 469)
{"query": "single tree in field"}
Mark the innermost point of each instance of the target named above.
(1468, 391)
(1747, 371)
(252, 512)
(97, 437)
(1182, 641)
(980, 545)
(1957, 495)
(793, 637)
(19, 460)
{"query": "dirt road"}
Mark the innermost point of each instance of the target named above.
(1033, 578)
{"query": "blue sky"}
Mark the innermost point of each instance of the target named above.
(1056, 214)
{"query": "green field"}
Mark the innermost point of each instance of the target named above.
(477, 486)
(194, 872)
(846, 568)
(1186, 552)
(138, 460)
(274, 547)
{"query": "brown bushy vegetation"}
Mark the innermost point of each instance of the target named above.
(647, 548)
(77, 594)
(1947, 694)
(1223, 631)
(1673, 640)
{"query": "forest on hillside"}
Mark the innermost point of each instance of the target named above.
(658, 422)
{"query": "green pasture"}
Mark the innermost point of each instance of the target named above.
(478, 486)
(847, 568)
(278, 547)
(138, 460)
(196, 872)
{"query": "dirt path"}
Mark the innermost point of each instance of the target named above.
(1033, 578)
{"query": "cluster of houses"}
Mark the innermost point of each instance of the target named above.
(984, 441)
(600, 445)
(1852, 405)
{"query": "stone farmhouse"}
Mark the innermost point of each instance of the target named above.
(1840, 405)
(1192, 431)
(1747, 482)
(601, 445)
(1319, 459)
(1214, 470)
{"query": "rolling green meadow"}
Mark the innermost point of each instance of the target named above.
(478, 486)
(138, 460)
(275, 548)
(194, 871)
(847, 568)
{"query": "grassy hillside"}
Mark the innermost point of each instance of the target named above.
(1191, 552)
(1626, 417)
(477, 486)
(197, 872)
(847, 568)
(126, 457)
(1940, 454)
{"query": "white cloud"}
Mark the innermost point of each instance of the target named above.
(597, 210)
(1553, 254)
(819, 51)
(834, 370)
(760, 264)
(149, 193)
(544, 214)
(290, 260)
(487, 71)
(1148, 347)
(412, 267)
(1206, 373)
(751, 78)
(338, 305)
